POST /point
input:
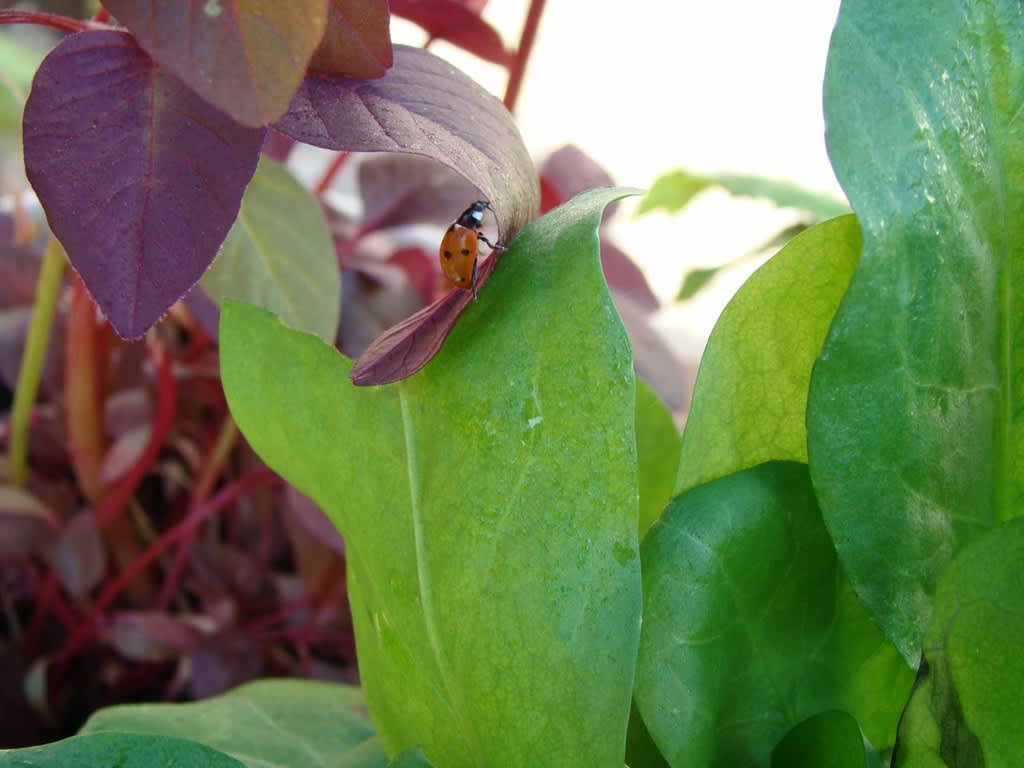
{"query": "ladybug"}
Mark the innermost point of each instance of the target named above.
(459, 247)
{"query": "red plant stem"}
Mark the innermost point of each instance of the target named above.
(167, 394)
(279, 616)
(526, 40)
(52, 20)
(208, 474)
(336, 164)
(196, 517)
(102, 15)
(86, 359)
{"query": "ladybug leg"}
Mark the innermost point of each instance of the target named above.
(472, 281)
(489, 244)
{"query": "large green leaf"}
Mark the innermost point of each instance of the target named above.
(657, 452)
(279, 255)
(828, 740)
(751, 392)
(913, 417)
(123, 750)
(488, 504)
(750, 626)
(265, 724)
(966, 709)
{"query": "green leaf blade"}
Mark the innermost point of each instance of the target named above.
(966, 708)
(264, 724)
(750, 626)
(828, 740)
(657, 449)
(913, 429)
(124, 750)
(751, 390)
(488, 505)
(279, 255)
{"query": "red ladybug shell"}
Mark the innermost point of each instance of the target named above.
(458, 256)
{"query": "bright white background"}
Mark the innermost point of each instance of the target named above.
(651, 85)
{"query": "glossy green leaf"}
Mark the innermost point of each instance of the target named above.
(279, 255)
(674, 190)
(966, 709)
(264, 724)
(123, 750)
(246, 57)
(657, 453)
(751, 391)
(488, 505)
(641, 751)
(914, 429)
(750, 626)
(827, 740)
(411, 758)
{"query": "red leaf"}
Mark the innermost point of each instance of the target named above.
(247, 57)
(458, 23)
(422, 106)
(140, 179)
(357, 41)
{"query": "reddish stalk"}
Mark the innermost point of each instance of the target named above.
(245, 485)
(211, 469)
(86, 360)
(52, 20)
(102, 15)
(336, 164)
(526, 40)
(167, 393)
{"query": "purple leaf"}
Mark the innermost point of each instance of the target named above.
(140, 178)
(422, 106)
(399, 190)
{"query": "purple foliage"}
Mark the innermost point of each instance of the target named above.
(423, 106)
(140, 178)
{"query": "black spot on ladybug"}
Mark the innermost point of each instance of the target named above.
(447, 254)
(465, 251)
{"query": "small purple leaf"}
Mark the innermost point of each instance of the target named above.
(140, 178)
(422, 106)
(405, 348)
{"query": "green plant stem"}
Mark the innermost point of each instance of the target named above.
(47, 290)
